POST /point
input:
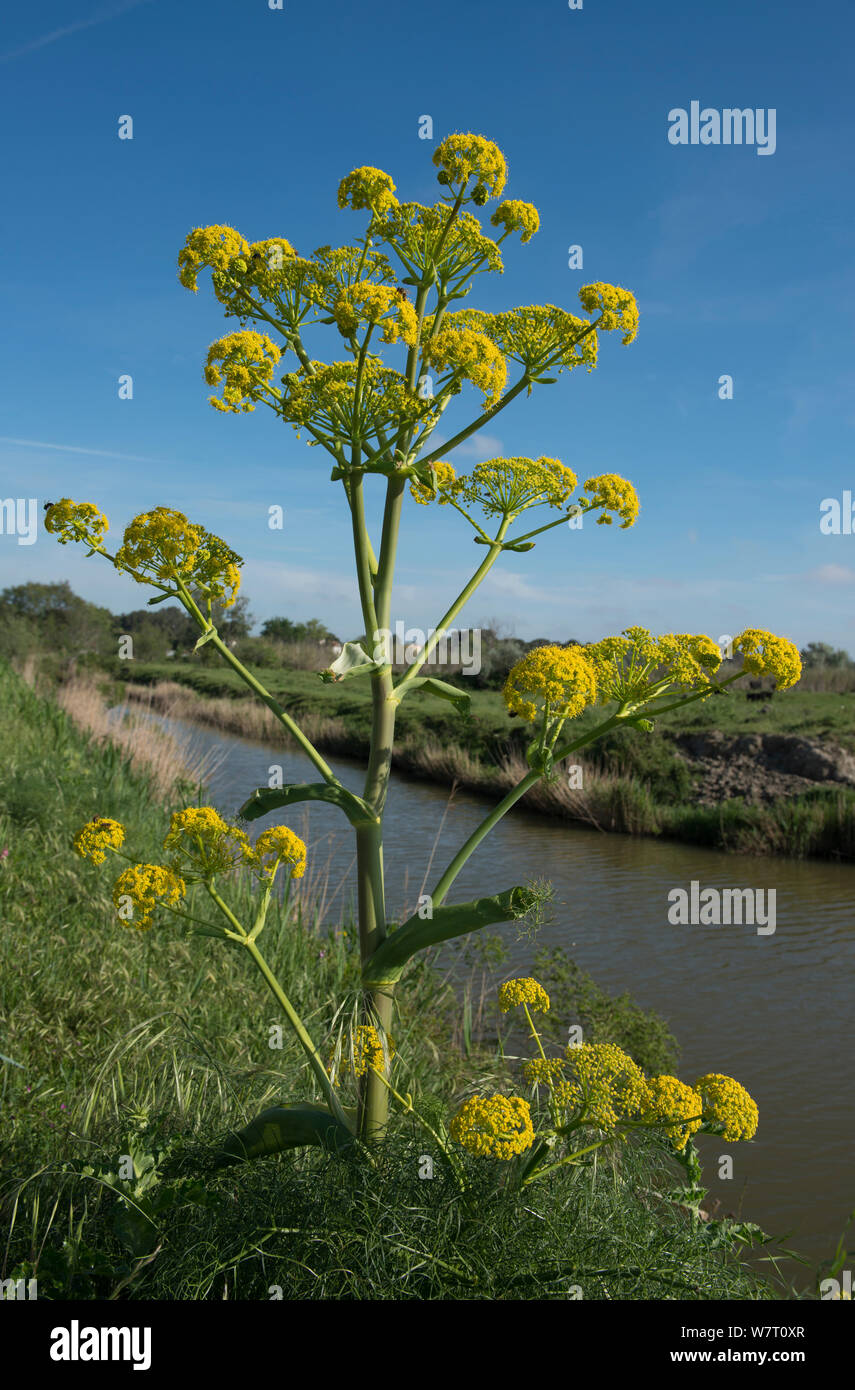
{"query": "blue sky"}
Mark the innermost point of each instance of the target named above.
(742, 264)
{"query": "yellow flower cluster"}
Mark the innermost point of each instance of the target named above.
(493, 1127)
(524, 990)
(506, 487)
(97, 836)
(366, 302)
(727, 1103)
(543, 1071)
(270, 266)
(607, 1085)
(613, 494)
(515, 216)
(764, 654)
(368, 188)
(463, 157)
(542, 337)
(444, 478)
(675, 1107)
(617, 307)
(630, 665)
(368, 1053)
(146, 886)
(470, 355)
(208, 844)
(215, 247)
(276, 846)
(564, 678)
(326, 399)
(428, 236)
(76, 521)
(248, 362)
(163, 546)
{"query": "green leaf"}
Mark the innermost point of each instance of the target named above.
(417, 934)
(160, 599)
(286, 1127)
(266, 799)
(206, 637)
(353, 660)
(431, 685)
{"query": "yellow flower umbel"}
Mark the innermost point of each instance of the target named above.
(543, 1071)
(636, 667)
(617, 307)
(76, 521)
(544, 338)
(515, 216)
(366, 302)
(675, 1107)
(607, 1087)
(494, 1127)
(206, 843)
(460, 158)
(368, 188)
(764, 654)
(276, 846)
(215, 247)
(248, 362)
(506, 487)
(98, 836)
(524, 990)
(162, 547)
(368, 1053)
(444, 478)
(556, 681)
(613, 494)
(469, 356)
(141, 889)
(728, 1104)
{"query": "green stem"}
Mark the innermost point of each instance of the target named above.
(300, 1030)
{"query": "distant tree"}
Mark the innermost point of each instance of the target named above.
(59, 619)
(822, 654)
(285, 630)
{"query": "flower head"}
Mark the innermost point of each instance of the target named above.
(523, 991)
(563, 678)
(97, 836)
(214, 247)
(276, 846)
(636, 667)
(517, 217)
(463, 157)
(368, 188)
(248, 361)
(368, 1053)
(367, 302)
(543, 1071)
(76, 521)
(444, 477)
(206, 843)
(162, 546)
(764, 654)
(142, 888)
(470, 355)
(542, 337)
(728, 1104)
(673, 1106)
(494, 1127)
(607, 1085)
(506, 487)
(617, 307)
(613, 494)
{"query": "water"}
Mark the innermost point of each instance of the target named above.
(773, 1011)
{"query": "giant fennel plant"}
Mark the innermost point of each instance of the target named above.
(391, 302)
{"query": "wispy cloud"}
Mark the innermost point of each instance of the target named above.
(99, 17)
(77, 449)
(832, 574)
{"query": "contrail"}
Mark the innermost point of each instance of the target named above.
(75, 449)
(100, 17)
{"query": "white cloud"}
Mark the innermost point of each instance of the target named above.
(77, 449)
(832, 574)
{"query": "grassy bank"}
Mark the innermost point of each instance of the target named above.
(633, 783)
(154, 1046)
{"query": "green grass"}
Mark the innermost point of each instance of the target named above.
(155, 1047)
